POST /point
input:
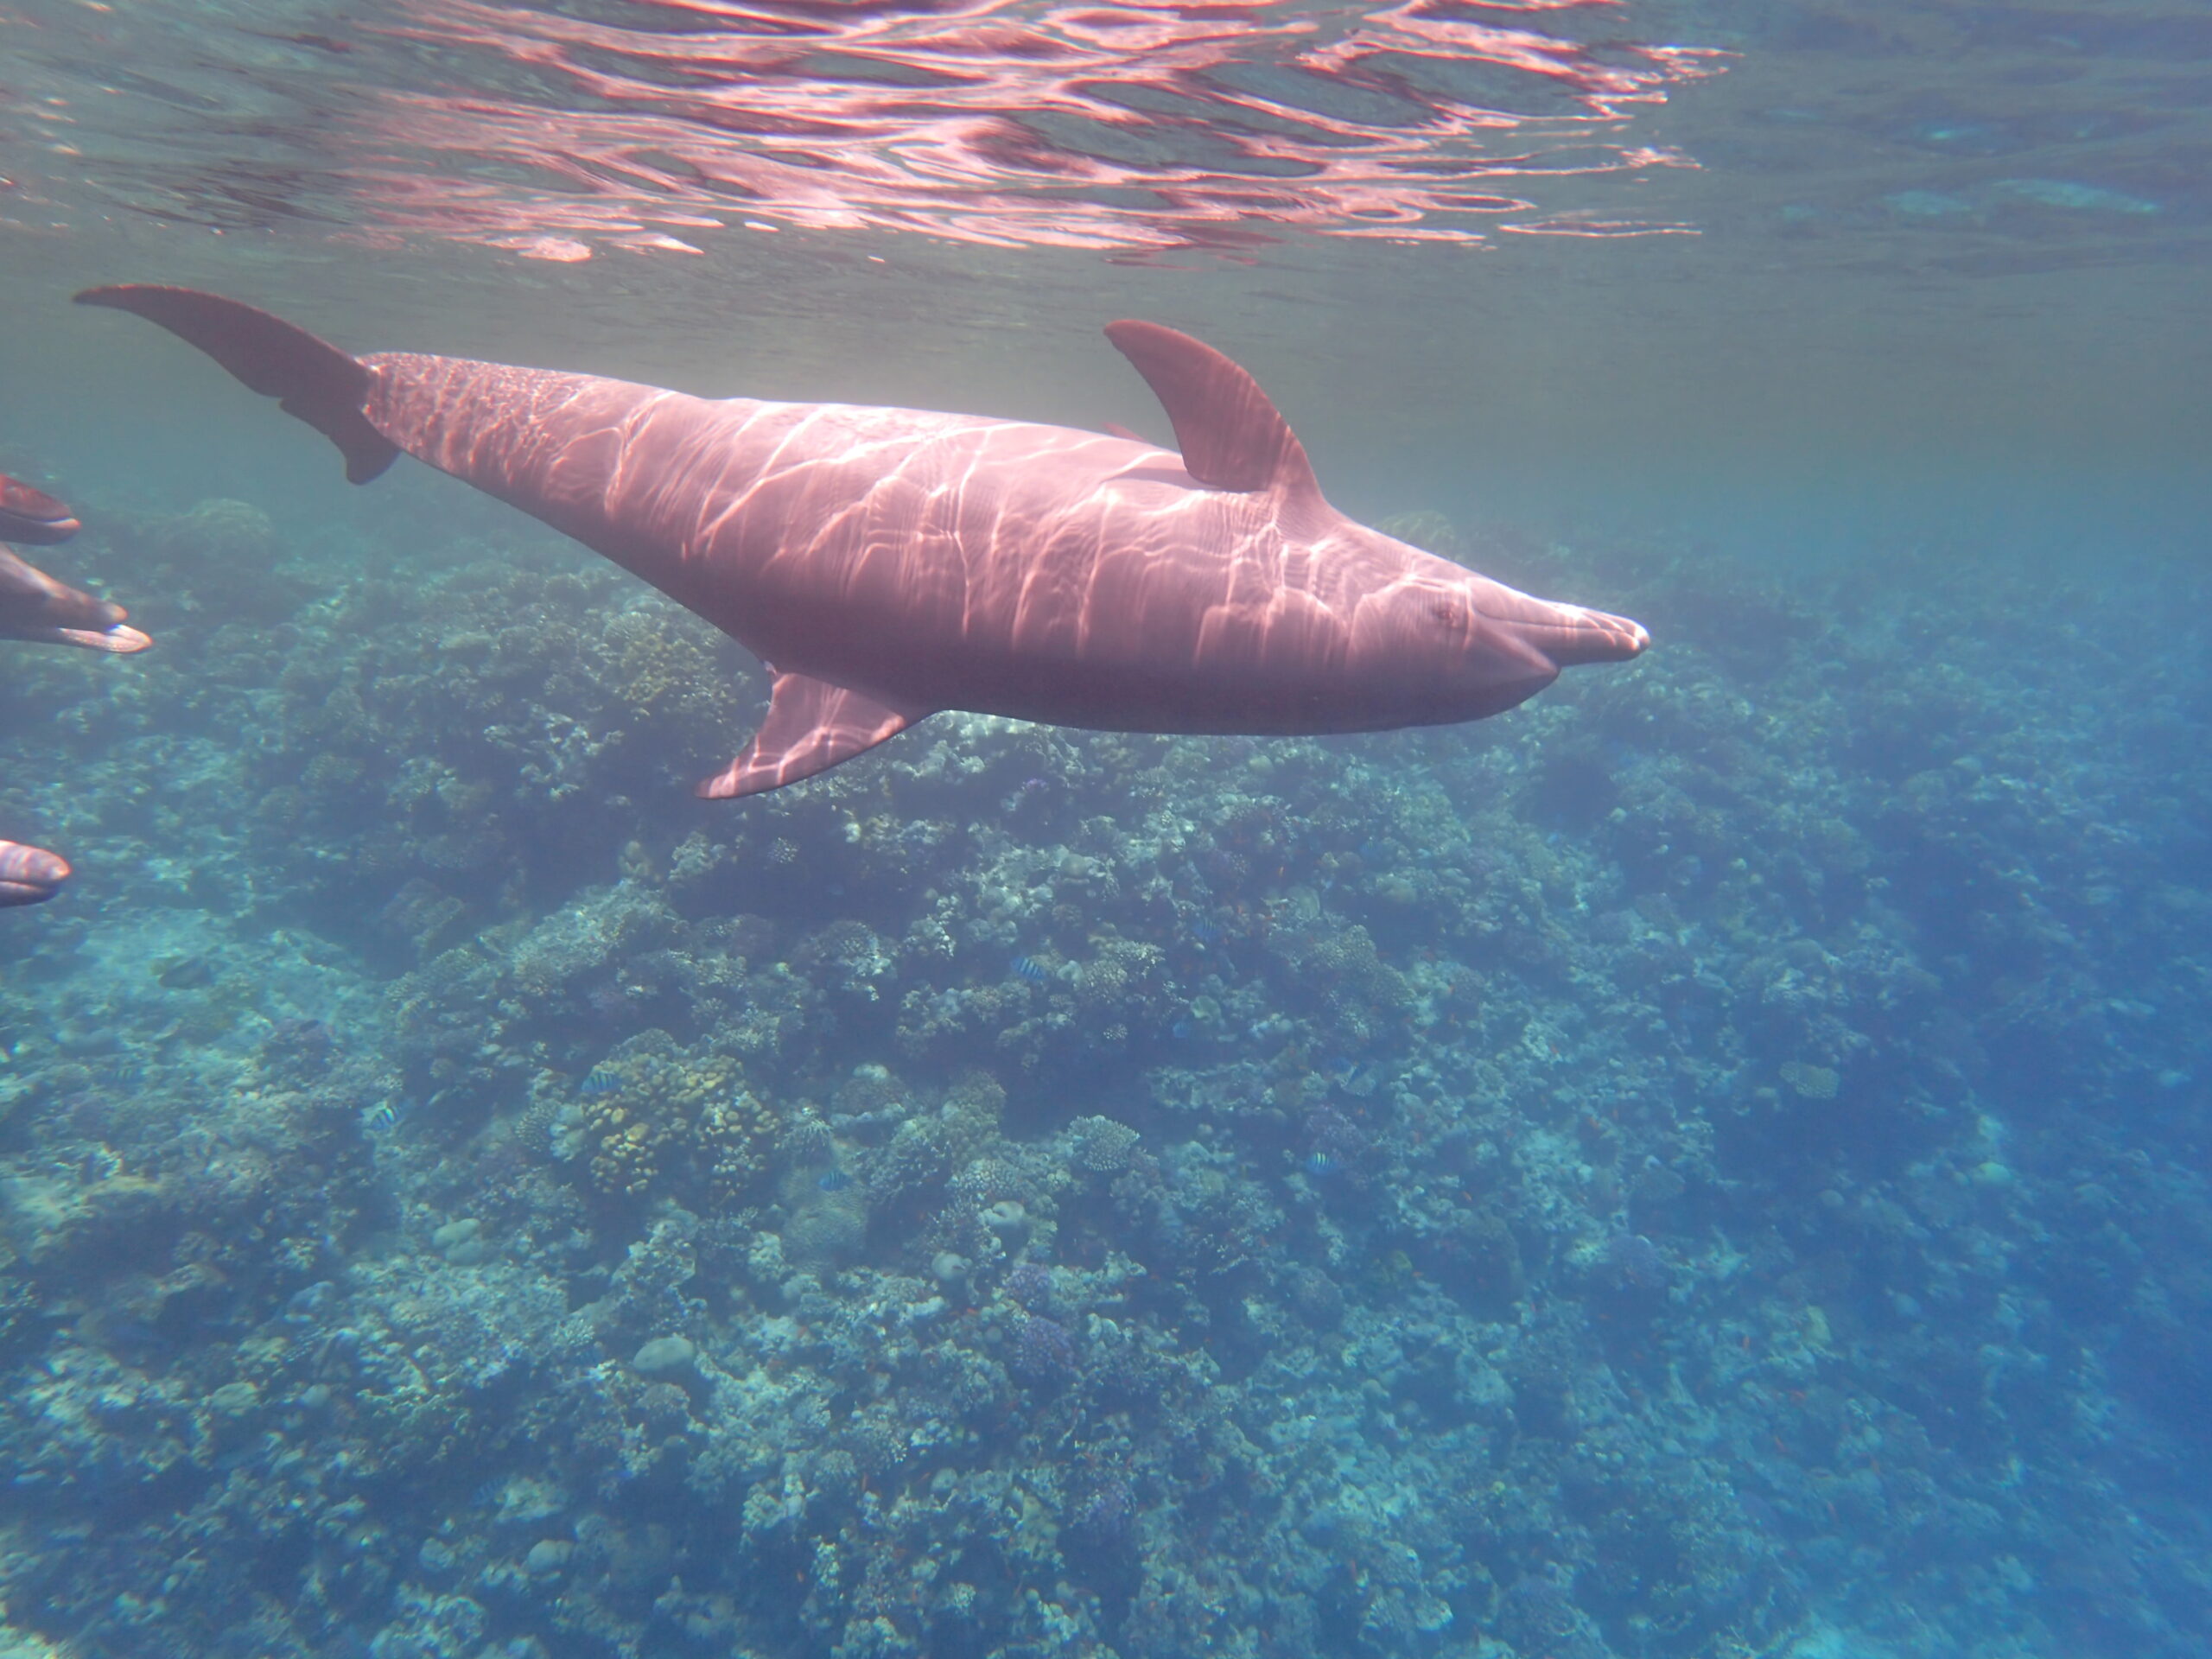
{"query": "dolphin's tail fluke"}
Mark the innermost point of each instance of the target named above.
(315, 380)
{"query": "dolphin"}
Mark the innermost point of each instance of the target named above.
(889, 563)
(33, 605)
(31, 517)
(29, 875)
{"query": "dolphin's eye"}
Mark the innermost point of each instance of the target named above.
(1450, 612)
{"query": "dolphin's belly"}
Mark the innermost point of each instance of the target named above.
(1115, 638)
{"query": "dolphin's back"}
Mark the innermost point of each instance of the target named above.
(969, 561)
(584, 453)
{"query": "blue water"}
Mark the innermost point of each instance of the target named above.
(1711, 1162)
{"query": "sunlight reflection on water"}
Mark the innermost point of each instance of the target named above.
(1125, 126)
(1130, 126)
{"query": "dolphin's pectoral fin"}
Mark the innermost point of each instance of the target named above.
(811, 726)
(1232, 436)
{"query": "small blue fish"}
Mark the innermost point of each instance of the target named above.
(1204, 931)
(1322, 1166)
(833, 1180)
(599, 1080)
(1030, 968)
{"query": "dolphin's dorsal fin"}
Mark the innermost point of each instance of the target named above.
(811, 726)
(1232, 436)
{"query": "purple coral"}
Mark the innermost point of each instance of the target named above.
(1107, 1513)
(1029, 1285)
(1044, 1352)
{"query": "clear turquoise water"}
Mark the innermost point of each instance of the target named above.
(1709, 1164)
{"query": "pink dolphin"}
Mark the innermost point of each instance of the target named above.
(891, 563)
(34, 606)
(29, 514)
(29, 875)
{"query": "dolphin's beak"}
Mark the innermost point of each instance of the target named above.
(117, 641)
(37, 531)
(29, 875)
(1569, 635)
(1589, 637)
(35, 606)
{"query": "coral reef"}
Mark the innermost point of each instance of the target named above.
(1708, 1165)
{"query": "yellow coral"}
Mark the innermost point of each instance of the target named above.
(734, 1138)
(663, 667)
(654, 1116)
